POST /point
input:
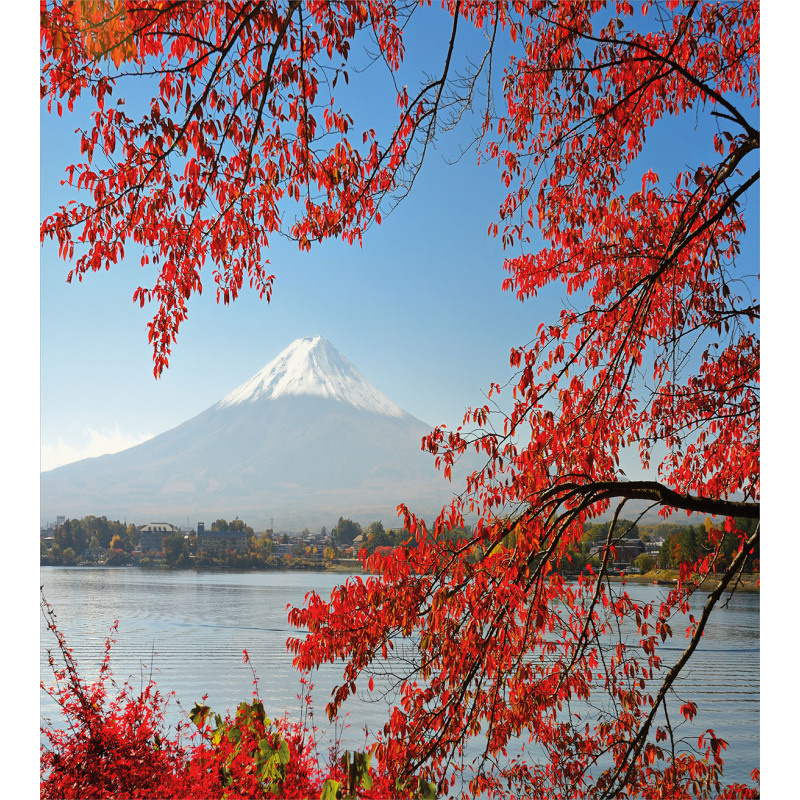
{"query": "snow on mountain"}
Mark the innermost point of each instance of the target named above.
(313, 366)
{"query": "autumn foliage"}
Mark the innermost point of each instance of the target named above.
(655, 350)
(114, 742)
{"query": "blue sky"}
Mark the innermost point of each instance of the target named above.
(418, 309)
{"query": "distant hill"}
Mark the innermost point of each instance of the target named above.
(305, 440)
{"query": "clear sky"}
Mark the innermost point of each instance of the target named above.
(418, 309)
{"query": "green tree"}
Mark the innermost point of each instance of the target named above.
(684, 545)
(132, 532)
(62, 535)
(99, 527)
(665, 553)
(115, 558)
(345, 531)
(174, 547)
(237, 525)
(645, 563)
(263, 544)
(376, 536)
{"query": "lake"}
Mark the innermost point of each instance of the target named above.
(188, 629)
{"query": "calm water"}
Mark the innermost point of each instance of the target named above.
(189, 629)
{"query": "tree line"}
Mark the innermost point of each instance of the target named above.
(89, 540)
(97, 540)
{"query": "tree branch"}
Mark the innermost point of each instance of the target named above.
(635, 746)
(657, 493)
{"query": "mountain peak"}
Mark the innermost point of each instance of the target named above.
(313, 366)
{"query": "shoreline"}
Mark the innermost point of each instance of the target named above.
(749, 582)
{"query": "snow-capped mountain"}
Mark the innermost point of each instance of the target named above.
(304, 441)
(313, 367)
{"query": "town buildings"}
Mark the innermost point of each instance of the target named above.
(151, 536)
(220, 541)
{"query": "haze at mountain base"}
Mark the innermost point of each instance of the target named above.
(304, 441)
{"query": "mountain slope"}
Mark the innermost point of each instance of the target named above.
(305, 440)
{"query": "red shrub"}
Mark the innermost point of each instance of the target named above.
(118, 747)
